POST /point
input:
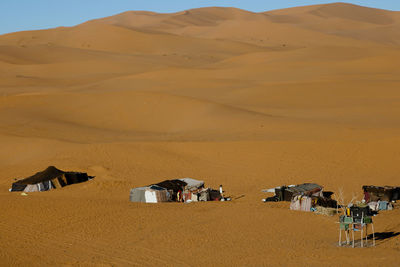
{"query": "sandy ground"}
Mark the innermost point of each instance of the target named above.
(247, 100)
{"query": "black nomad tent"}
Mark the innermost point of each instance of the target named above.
(176, 190)
(49, 179)
(309, 193)
(383, 193)
(286, 193)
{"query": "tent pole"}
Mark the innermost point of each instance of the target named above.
(373, 234)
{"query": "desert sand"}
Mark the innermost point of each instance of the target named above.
(246, 100)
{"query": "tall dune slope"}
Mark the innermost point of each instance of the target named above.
(272, 27)
(247, 100)
(350, 21)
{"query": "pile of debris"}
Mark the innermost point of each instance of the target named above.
(178, 190)
(304, 197)
(49, 179)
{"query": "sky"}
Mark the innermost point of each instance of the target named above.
(20, 15)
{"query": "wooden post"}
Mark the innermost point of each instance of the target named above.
(373, 234)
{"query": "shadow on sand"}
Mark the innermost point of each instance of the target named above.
(380, 236)
(239, 197)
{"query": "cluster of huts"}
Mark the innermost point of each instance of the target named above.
(354, 217)
(177, 190)
(304, 197)
(312, 197)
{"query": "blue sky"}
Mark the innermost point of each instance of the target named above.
(19, 15)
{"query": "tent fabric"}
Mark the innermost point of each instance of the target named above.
(193, 190)
(56, 182)
(31, 188)
(174, 185)
(177, 190)
(306, 189)
(150, 194)
(197, 195)
(161, 192)
(380, 205)
(383, 193)
(303, 203)
(213, 195)
(49, 179)
(306, 203)
(48, 174)
(192, 184)
(138, 194)
(295, 204)
(286, 193)
(204, 195)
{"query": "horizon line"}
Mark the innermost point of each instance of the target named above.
(183, 10)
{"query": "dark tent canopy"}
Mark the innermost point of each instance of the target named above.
(314, 191)
(383, 193)
(285, 193)
(48, 179)
(174, 186)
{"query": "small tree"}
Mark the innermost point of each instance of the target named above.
(341, 200)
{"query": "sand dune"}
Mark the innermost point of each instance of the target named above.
(273, 27)
(248, 100)
(346, 20)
